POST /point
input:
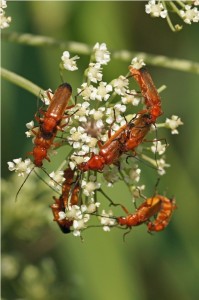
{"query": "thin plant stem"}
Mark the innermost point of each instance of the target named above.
(150, 160)
(161, 88)
(21, 81)
(181, 4)
(123, 55)
(168, 19)
(175, 9)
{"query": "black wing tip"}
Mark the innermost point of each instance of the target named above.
(66, 85)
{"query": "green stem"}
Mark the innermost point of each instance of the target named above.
(161, 88)
(180, 3)
(175, 9)
(22, 82)
(150, 160)
(168, 18)
(160, 125)
(108, 198)
(159, 60)
(123, 55)
(42, 41)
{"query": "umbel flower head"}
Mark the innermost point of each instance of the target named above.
(106, 117)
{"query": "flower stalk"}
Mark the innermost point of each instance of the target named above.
(123, 55)
(21, 81)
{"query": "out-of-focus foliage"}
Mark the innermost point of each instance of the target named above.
(38, 261)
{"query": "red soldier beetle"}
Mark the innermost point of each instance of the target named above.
(69, 197)
(131, 135)
(164, 215)
(50, 123)
(149, 92)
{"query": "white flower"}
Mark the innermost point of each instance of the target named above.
(99, 124)
(76, 159)
(82, 112)
(97, 114)
(29, 133)
(3, 4)
(110, 114)
(85, 138)
(158, 147)
(106, 220)
(137, 63)
(78, 225)
(4, 21)
(76, 134)
(88, 92)
(103, 90)
(131, 97)
(73, 212)
(92, 143)
(136, 191)
(57, 179)
(114, 117)
(102, 55)
(69, 63)
(92, 207)
(134, 174)
(90, 186)
(155, 10)
(62, 215)
(86, 148)
(120, 108)
(120, 85)
(47, 96)
(161, 166)
(21, 167)
(30, 126)
(173, 123)
(94, 72)
(190, 14)
(77, 145)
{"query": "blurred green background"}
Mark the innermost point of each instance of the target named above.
(38, 261)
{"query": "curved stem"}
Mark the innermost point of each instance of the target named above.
(175, 8)
(21, 81)
(168, 18)
(124, 55)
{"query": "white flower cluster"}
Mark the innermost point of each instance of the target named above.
(159, 148)
(69, 63)
(102, 109)
(30, 125)
(190, 14)
(186, 10)
(80, 215)
(21, 167)
(57, 180)
(4, 21)
(155, 9)
(90, 186)
(107, 220)
(95, 124)
(173, 124)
